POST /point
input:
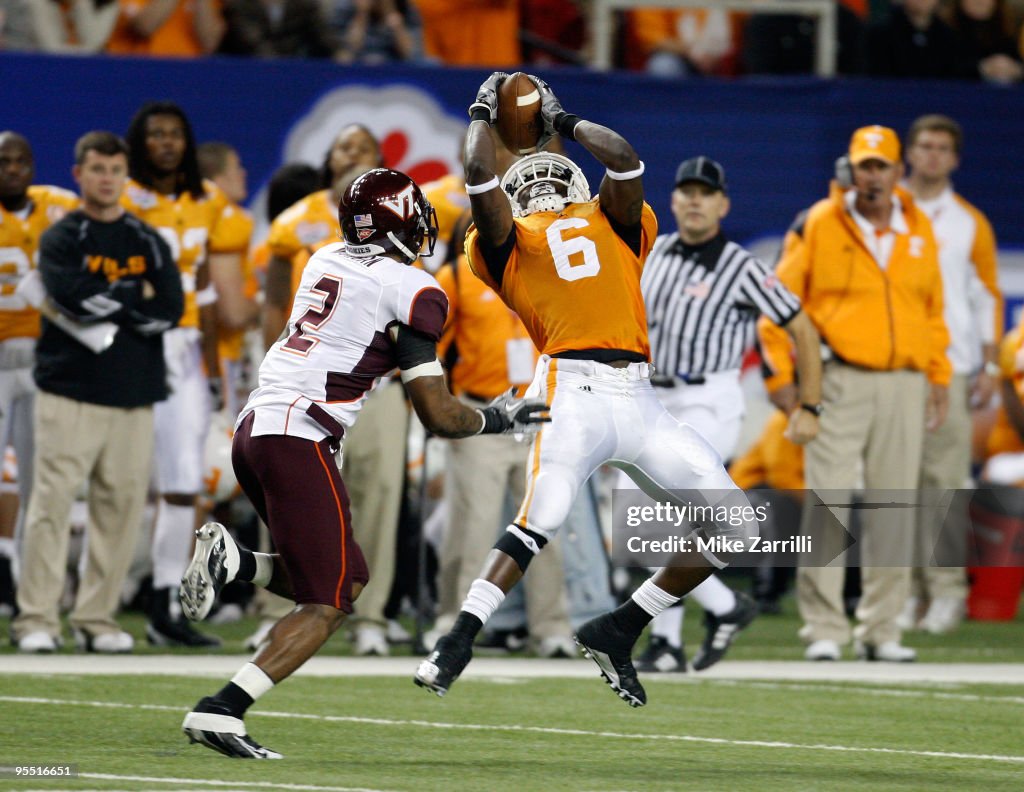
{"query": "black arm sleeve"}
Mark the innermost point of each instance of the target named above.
(630, 234)
(413, 348)
(497, 257)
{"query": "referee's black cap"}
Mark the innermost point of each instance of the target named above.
(704, 170)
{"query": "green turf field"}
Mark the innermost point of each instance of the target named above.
(385, 734)
(542, 734)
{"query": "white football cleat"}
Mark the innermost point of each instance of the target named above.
(214, 564)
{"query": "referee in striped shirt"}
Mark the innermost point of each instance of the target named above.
(704, 294)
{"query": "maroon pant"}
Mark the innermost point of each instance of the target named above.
(297, 490)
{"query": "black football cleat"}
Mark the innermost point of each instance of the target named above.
(212, 724)
(601, 641)
(721, 631)
(442, 666)
(660, 657)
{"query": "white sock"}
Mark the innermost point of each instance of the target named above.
(172, 543)
(669, 625)
(483, 599)
(713, 595)
(653, 599)
(253, 680)
(7, 546)
(264, 569)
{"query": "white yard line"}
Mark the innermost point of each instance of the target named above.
(184, 783)
(520, 668)
(682, 738)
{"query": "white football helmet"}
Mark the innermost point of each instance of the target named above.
(532, 184)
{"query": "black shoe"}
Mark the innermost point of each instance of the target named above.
(504, 640)
(442, 667)
(8, 598)
(601, 641)
(212, 724)
(660, 657)
(720, 631)
(167, 627)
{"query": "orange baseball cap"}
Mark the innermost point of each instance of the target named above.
(874, 142)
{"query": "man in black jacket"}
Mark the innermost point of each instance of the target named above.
(94, 414)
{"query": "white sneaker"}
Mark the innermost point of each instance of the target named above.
(431, 637)
(214, 564)
(886, 652)
(396, 633)
(557, 647)
(907, 620)
(258, 638)
(38, 642)
(228, 614)
(371, 640)
(823, 649)
(118, 642)
(944, 615)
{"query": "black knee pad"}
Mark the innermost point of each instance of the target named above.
(511, 545)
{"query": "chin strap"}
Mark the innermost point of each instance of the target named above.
(398, 244)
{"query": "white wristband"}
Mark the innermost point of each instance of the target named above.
(487, 186)
(614, 176)
(207, 296)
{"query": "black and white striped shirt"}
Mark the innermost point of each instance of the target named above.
(703, 302)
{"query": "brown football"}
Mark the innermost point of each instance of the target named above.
(519, 121)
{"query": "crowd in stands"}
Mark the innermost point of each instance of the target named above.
(949, 39)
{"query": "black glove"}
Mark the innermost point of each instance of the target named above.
(216, 388)
(556, 120)
(485, 106)
(508, 415)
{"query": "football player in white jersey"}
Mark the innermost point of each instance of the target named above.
(360, 311)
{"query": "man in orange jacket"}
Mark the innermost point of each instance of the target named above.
(867, 273)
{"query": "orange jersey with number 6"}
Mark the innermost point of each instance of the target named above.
(572, 279)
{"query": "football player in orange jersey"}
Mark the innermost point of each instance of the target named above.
(26, 210)
(237, 308)
(167, 191)
(570, 266)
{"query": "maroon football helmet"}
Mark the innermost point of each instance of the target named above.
(384, 211)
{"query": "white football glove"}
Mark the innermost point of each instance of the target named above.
(509, 415)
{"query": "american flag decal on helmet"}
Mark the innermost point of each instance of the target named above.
(363, 220)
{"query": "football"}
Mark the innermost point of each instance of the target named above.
(519, 122)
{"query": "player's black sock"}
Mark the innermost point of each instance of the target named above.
(467, 625)
(236, 700)
(630, 618)
(246, 565)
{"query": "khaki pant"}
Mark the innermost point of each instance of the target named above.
(481, 470)
(374, 475)
(112, 449)
(873, 422)
(945, 465)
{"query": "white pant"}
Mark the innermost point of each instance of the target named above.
(17, 397)
(183, 419)
(600, 415)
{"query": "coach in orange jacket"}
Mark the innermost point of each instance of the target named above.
(868, 275)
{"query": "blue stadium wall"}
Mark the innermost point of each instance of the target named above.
(776, 138)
